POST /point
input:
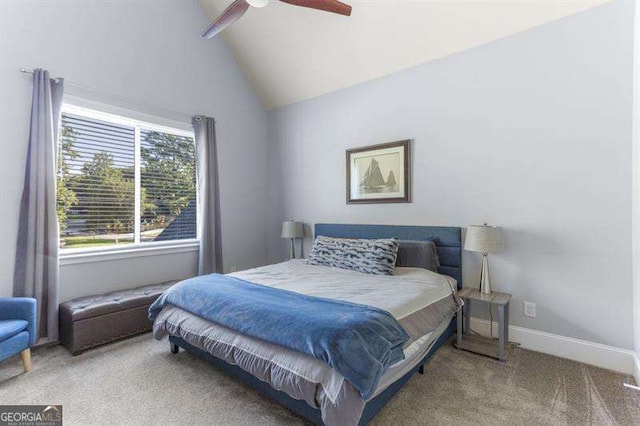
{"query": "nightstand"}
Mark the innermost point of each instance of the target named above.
(484, 345)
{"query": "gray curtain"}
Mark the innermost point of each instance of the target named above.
(36, 266)
(208, 196)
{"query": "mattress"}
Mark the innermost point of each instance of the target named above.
(405, 295)
(420, 300)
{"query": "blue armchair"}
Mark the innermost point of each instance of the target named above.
(17, 328)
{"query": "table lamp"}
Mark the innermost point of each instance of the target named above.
(484, 239)
(292, 230)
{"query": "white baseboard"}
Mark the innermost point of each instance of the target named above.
(609, 357)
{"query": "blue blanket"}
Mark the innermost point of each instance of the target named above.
(360, 342)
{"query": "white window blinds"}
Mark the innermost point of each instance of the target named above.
(124, 183)
(168, 185)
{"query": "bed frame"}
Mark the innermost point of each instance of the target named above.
(448, 241)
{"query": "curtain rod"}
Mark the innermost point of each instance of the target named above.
(117, 96)
(26, 71)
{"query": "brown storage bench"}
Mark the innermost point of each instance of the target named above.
(92, 321)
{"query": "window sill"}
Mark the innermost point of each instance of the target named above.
(75, 256)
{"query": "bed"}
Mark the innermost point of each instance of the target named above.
(306, 385)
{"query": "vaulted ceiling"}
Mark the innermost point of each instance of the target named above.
(292, 53)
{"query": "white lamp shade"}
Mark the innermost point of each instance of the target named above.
(292, 229)
(483, 238)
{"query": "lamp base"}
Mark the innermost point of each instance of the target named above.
(485, 280)
(292, 249)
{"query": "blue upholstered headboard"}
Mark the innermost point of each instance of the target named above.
(448, 240)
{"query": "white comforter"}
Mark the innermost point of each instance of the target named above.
(402, 294)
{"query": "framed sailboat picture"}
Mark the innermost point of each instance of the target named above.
(379, 173)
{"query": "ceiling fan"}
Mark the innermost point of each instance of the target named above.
(235, 11)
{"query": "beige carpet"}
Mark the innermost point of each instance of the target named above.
(138, 381)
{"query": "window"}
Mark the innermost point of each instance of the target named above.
(123, 182)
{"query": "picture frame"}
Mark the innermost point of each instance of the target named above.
(379, 173)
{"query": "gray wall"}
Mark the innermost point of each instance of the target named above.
(635, 190)
(531, 132)
(149, 52)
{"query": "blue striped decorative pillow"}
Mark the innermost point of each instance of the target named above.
(363, 255)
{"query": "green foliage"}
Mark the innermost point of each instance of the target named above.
(65, 196)
(108, 199)
(84, 242)
(167, 174)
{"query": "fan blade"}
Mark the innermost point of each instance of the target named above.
(327, 5)
(230, 15)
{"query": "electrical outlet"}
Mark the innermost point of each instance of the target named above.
(529, 309)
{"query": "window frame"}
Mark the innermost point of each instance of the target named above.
(137, 248)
